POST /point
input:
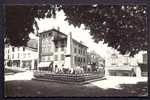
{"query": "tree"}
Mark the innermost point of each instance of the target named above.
(122, 27)
(21, 19)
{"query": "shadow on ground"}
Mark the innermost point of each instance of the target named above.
(33, 88)
(139, 89)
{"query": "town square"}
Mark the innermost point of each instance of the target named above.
(76, 51)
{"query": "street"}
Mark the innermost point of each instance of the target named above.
(21, 85)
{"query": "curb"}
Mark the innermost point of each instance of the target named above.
(77, 83)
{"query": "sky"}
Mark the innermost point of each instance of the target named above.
(80, 34)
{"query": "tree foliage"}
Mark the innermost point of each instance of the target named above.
(122, 27)
(21, 19)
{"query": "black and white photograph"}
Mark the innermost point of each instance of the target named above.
(76, 51)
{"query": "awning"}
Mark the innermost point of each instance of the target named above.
(121, 68)
(44, 64)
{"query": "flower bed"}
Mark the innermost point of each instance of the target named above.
(68, 77)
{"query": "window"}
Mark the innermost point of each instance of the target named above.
(23, 48)
(78, 59)
(13, 49)
(75, 50)
(43, 58)
(12, 56)
(49, 34)
(145, 58)
(24, 55)
(62, 48)
(62, 42)
(83, 52)
(46, 49)
(8, 56)
(43, 36)
(79, 51)
(18, 55)
(29, 55)
(49, 58)
(75, 59)
(84, 60)
(43, 49)
(56, 44)
(46, 35)
(62, 57)
(56, 57)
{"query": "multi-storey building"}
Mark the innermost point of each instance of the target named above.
(21, 57)
(120, 66)
(95, 59)
(123, 65)
(59, 49)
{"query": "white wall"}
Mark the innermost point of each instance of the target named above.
(28, 54)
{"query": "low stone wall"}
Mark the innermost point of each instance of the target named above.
(68, 77)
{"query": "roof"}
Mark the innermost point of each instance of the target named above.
(52, 30)
(79, 43)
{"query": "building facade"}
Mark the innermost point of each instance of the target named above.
(95, 59)
(20, 57)
(59, 49)
(144, 65)
(120, 66)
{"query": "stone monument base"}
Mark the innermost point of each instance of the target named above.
(72, 78)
